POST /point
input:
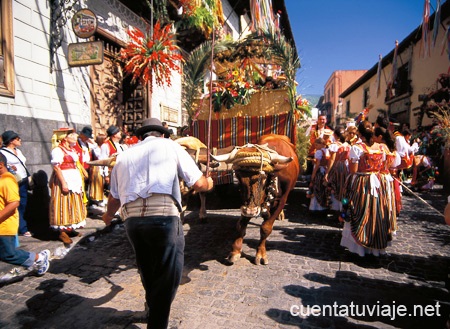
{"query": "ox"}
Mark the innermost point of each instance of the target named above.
(266, 172)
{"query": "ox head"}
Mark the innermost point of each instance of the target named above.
(254, 167)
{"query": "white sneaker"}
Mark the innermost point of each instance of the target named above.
(43, 264)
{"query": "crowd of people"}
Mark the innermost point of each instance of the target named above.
(358, 173)
(143, 184)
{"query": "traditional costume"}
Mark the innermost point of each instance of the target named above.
(67, 211)
(338, 174)
(319, 197)
(367, 229)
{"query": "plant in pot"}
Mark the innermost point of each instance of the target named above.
(442, 132)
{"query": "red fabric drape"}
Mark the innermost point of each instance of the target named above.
(239, 131)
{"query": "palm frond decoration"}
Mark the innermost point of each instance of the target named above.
(280, 50)
(194, 69)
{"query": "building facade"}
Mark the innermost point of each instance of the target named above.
(41, 89)
(336, 84)
(400, 81)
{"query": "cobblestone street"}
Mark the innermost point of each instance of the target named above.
(96, 285)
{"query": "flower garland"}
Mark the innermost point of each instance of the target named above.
(147, 55)
(234, 90)
(302, 104)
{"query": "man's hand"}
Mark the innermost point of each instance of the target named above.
(111, 209)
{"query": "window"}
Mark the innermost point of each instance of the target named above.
(401, 84)
(366, 99)
(169, 114)
(7, 75)
(347, 109)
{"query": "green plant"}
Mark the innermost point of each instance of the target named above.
(302, 147)
(442, 116)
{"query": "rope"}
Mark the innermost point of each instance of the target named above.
(418, 197)
(253, 161)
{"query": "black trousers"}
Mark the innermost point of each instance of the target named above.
(158, 242)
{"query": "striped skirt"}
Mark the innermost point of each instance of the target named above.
(66, 211)
(96, 183)
(388, 199)
(320, 199)
(370, 219)
(336, 181)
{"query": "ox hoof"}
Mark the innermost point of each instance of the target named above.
(233, 258)
(261, 261)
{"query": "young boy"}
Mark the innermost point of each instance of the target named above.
(9, 224)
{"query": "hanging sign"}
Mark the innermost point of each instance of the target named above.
(84, 23)
(85, 53)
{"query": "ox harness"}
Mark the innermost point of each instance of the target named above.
(259, 161)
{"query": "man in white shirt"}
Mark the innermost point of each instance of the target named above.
(145, 183)
(404, 149)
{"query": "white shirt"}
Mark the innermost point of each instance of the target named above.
(402, 146)
(152, 166)
(13, 160)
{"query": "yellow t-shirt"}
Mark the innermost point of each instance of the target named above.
(9, 192)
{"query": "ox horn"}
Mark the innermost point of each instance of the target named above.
(277, 158)
(228, 157)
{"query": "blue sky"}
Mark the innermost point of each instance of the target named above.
(335, 35)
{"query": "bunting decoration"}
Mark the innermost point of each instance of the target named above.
(378, 81)
(437, 21)
(425, 41)
(262, 16)
(446, 43)
(394, 67)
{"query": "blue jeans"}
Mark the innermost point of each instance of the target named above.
(23, 193)
(10, 254)
(158, 242)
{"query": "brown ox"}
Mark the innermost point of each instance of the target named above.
(266, 172)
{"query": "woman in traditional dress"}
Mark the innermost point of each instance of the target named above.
(318, 190)
(97, 183)
(67, 210)
(392, 160)
(367, 227)
(110, 147)
(337, 171)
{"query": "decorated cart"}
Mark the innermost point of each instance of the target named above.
(250, 92)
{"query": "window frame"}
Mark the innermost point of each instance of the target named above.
(7, 88)
(366, 97)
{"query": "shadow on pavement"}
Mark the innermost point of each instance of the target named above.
(382, 297)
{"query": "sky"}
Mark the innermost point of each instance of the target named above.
(333, 35)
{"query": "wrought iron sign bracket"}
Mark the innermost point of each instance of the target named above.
(60, 13)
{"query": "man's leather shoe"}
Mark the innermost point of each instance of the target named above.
(65, 238)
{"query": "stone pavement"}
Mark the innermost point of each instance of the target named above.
(96, 284)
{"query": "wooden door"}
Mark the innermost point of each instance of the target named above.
(115, 99)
